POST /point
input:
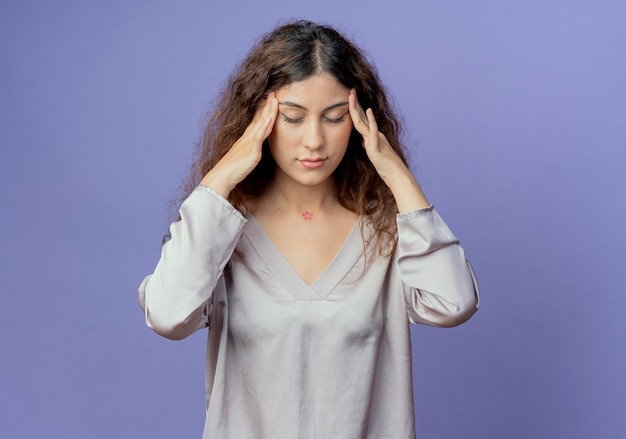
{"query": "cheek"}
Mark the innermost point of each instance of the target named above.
(281, 143)
(342, 136)
(281, 135)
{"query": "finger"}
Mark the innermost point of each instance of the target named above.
(267, 104)
(263, 126)
(271, 116)
(359, 108)
(356, 113)
(261, 111)
(258, 121)
(361, 112)
(371, 121)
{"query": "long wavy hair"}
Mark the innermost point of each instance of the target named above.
(290, 53)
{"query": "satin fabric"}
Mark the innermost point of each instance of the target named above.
(290, 360)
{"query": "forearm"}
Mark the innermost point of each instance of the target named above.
(407, 191)
(439, 285)
(201, 244)
(219, 183)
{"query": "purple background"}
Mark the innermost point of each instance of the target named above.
(517, 118)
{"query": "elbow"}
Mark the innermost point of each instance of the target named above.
(466, 308)
(175, 321)
(461, 314)
(166, 318)
(433, 310)
(458, 308)
(171, 334)
(173, 329)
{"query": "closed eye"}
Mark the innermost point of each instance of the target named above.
(300, 119)
(290, 120)
(337, 120)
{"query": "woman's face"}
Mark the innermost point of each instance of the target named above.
(312, 130)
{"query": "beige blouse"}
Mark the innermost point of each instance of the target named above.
(290, 360)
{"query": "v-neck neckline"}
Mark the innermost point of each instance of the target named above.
(346, 257)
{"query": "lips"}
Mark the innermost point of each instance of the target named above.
(312, 163)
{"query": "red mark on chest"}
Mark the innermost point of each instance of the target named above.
(308, 216)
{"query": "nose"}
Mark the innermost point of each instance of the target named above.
(313, 138)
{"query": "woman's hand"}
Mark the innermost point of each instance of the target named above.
(388, 164)
(245, 153)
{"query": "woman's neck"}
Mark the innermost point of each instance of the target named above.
(289, 197)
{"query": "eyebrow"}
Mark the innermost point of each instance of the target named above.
(302, 107)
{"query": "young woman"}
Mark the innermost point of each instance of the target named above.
(306, 246)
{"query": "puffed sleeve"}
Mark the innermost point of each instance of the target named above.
(177, 296)
(439, 284)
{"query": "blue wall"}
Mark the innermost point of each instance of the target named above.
(516, 117)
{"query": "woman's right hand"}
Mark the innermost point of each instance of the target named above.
(245, 153)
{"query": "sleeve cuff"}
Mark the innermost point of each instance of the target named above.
(222, 200)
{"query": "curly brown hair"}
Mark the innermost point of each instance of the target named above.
(290, 53)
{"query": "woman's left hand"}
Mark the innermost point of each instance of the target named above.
(386, 161)
(378, 149)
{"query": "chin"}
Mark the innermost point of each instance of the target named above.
(312, 180)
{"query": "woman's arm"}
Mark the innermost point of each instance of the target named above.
(439, 284)
(177, 296)
(406, 191)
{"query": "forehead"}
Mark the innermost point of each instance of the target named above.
(320, 89)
